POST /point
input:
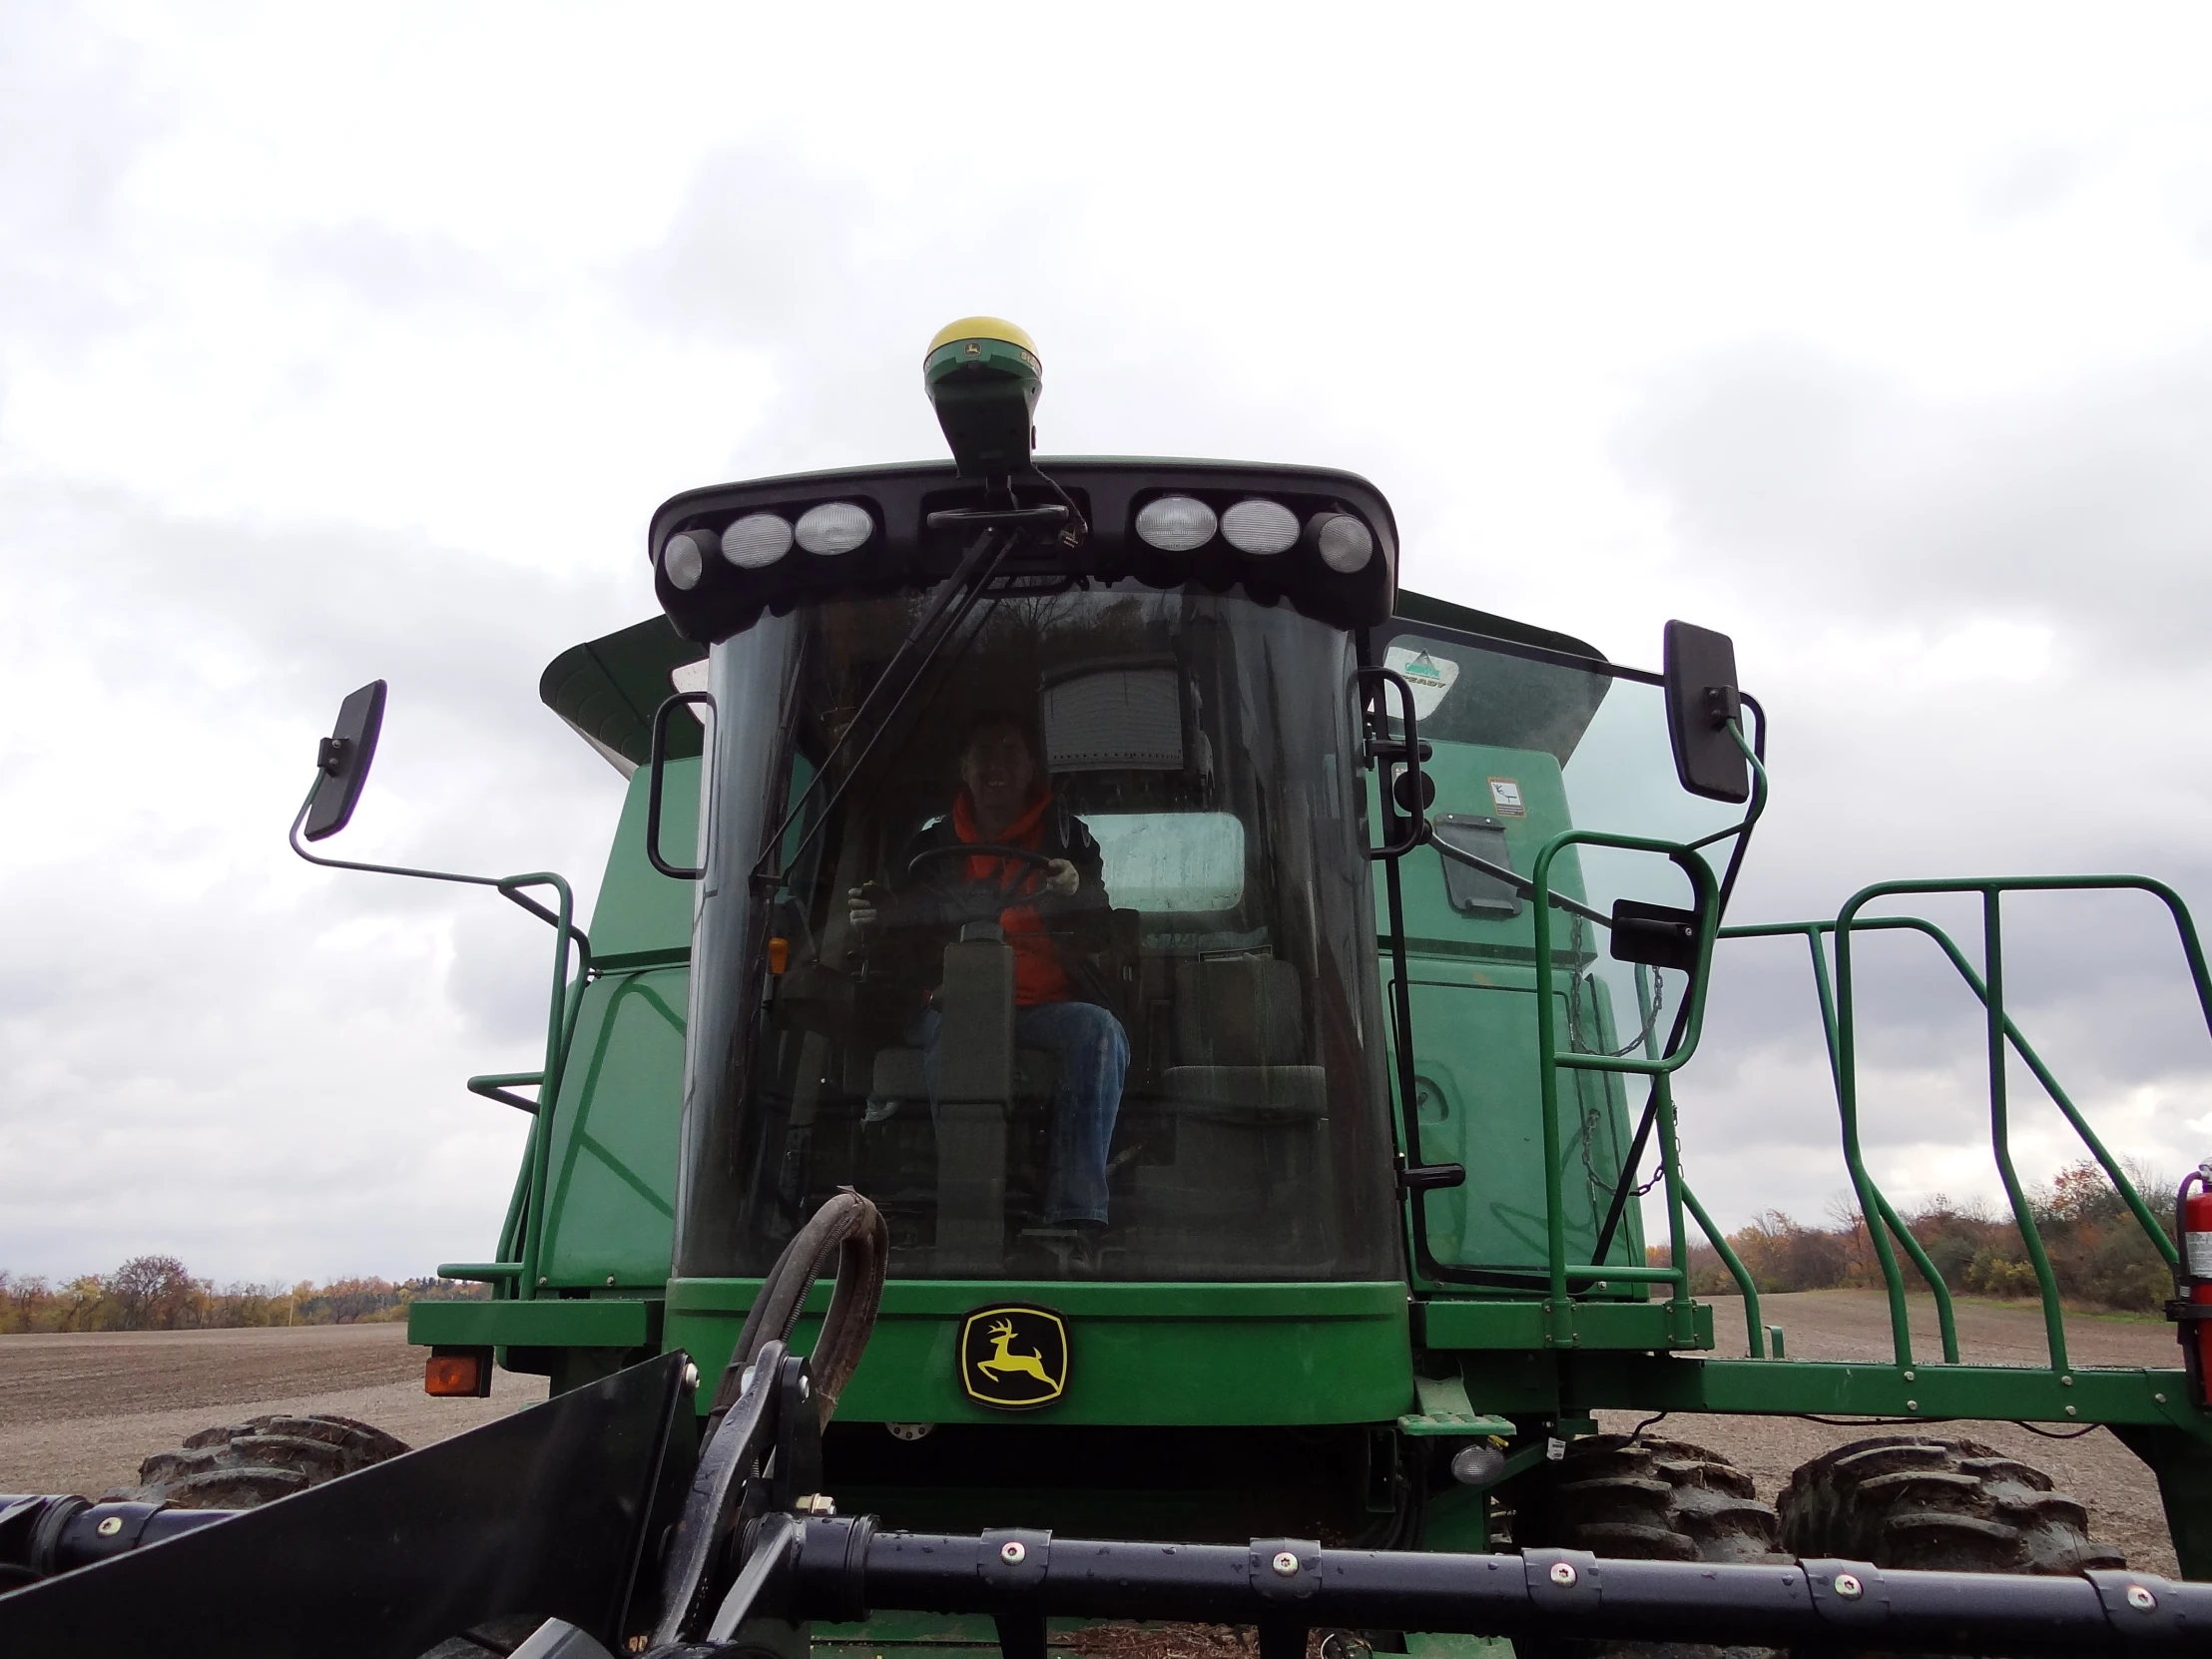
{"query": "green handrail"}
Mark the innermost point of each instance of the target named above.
(556, 1053)
(2002, 1033)
(2034, 1061)
(1863, 1182)
(1660, 1068)
(2001, 1128)
(1755, 1336)
(525, 1210)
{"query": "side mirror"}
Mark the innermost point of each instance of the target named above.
(1702, 700)
(344, 760)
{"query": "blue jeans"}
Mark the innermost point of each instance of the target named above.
(1091, 1052)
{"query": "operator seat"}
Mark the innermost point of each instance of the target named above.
(1250, 1178)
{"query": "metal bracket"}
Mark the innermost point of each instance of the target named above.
(1284, 1572)
(1562, 1581)
(1848, 1592)
(798, 1468)
(2137, 1603)
(1424, 1178)
(1012, 1562)
(1268, 1563)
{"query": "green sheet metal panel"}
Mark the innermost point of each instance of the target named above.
(1137, 1353)
(613, 1168)
(604, 1322)
(1478, 1103)
(1464, 774)
(1473, 985)
(643, 916)
(608, 688)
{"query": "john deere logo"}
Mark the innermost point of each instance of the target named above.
(1014, 1358)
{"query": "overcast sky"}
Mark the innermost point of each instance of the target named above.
(336, 344)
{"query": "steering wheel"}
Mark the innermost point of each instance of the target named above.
(979, 850)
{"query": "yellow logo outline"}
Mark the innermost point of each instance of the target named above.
(998, 1353)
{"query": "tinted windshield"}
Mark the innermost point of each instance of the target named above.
(1527, 745)
(1128, 1036)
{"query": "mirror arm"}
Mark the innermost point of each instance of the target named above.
(1758, 804)
(508, 886)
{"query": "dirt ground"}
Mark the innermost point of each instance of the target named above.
(76, 1413)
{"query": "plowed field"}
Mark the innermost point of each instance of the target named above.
(76, 1413)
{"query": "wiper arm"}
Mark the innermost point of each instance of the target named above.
(1001, 532)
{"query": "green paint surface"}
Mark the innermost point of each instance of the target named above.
(602, 1322)
(640, 913)
(615, 1134)
(1139, 1353)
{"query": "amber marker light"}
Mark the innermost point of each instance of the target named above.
(455, 1376)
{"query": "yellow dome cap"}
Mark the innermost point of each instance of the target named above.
(983, 327)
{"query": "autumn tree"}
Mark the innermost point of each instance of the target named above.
(152, 1293)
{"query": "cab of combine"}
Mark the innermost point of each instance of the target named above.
(1131, 1067)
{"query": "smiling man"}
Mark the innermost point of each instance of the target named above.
(1036, 870)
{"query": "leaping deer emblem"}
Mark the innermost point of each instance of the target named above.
(1004, 1361)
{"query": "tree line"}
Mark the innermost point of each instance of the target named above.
(2099, 1253)
(158, 1293)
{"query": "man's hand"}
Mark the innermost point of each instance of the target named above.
(1063, 878)
(859, 908)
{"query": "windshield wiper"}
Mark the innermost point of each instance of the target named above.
(1001, 532)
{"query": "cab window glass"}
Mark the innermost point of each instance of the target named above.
(1166, 863)
(1132, 1037)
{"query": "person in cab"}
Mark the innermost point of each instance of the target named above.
(1054, 912)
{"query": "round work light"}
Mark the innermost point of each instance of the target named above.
(684, 559)
(834, 527)
(1345, 544)
(1176, 523)
(1260, 526)
(757, 539)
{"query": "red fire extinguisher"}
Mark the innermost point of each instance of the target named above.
(2193, 1219)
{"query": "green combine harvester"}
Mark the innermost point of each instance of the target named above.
(1217, 1011)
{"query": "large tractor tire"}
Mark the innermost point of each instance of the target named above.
(1918, 1501)
(1644, 1501)
(257, 1462)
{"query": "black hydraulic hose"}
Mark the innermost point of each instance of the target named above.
(852, 1228)
(844, 1567)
